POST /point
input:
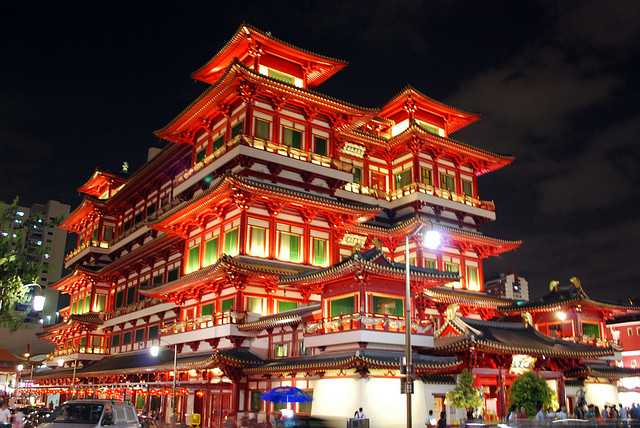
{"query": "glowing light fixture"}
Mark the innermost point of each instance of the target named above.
(60, 362)
(432, 239)
(562, 316)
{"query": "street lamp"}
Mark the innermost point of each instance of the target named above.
(431, 241)
(38, 299)
(155, 350)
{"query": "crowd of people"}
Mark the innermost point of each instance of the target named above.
(583, 412)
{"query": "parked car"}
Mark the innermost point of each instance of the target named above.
(93, 414)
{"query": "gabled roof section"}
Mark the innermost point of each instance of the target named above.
(501, 337)
(80, 277)
(87, 210)
(281, 319)
(568, 296)
(248, 43)
(101, 182)
(602, 371)
(447, 295)
(412, 99)
(373, 261)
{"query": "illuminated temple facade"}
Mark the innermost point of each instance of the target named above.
(265, 245)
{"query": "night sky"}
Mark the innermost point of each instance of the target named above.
(84, 84)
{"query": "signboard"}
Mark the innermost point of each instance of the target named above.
(354, 150)
(521, 363)
(353, 240)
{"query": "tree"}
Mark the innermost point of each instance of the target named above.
(464, 395)
(531, 391)
(17, 266)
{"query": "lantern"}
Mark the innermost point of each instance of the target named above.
(200, 393)
(182, 391)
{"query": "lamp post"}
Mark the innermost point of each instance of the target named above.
(431, 241)
(38, 300)
(155, 350)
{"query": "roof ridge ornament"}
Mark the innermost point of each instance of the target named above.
(553, 285)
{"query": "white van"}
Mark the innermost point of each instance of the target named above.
(93, 414)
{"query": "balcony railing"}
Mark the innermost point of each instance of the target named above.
(77, 350)
(267, 146)
(420, 188)
(367, 321)
(152, 301)
(84, 246)
(205, 321)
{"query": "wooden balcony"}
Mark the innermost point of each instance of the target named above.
(367, 321)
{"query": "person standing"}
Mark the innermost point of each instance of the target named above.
(541, 416)
(623, 413)
(523, 413)
(605, 413)
(562, 412)
(5, 413)
(431, 420)
(18, 419)
(442, 422)
(359, 414)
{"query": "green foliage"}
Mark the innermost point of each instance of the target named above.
(15, 268)
(530, 390)
(464, 395)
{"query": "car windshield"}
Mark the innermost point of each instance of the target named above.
(78, 413)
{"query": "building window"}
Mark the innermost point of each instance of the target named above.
(237, 129)
(256, 401)
(127, 225)
(305, 408)
(451, 267)
(291, 137)
(281, 350)
(126, 338)
(138, 218)
(591, 329)
(378, 181)
(629, 331)
(211, 251)
(142, 286)
(231, 242)
(320, 145)
(226, 305)
(172, 275)
(99, 303)
(357, 175)
(388, 305)
(472, 278)
(217, 143)
(153, 332)
(151, 209)
(282, 77)
(403, 178)
(283, 305)
(262, 129)
(429, 263)
(289, 247)
(193, 263)
(140, 335)
(119, 299)
(116, 340)
(320, 253)
(87, 302)
(426, 177)
(254, 304)
(257, 243)
(157, 279)
(447, 182)
(345, 305)
(200, 155)
(206, 309)
(467, 187)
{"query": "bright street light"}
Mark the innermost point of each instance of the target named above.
(154, 351)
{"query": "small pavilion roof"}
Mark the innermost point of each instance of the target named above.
(290, 317)
(360, 359)
(449, 295)
(100, 182)
(573, 295)
(501, 337)
(373, 260)
(602, 371)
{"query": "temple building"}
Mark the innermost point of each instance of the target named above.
(265, 246)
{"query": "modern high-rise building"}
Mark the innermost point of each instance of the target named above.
(509, 285)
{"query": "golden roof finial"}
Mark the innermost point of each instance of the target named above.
(527, 318)
(451, 310)
(576, 282)
(553, 285)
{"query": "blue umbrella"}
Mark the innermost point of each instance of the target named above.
(285, 394)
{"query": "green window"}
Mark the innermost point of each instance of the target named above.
(227, 305)
(211, 251)
(289, 247)
(153, 332)
(206, 309)
(119, 299)
(447, 182)
(281, 350)
(140, 335)
(319, 252)
(357, 175)
(99, 304)
(131, 295)
(472, 278)
(467, 187)
(429, 128)
(320, 145)
(116, 340)
(291, 137)
(306, 407)
(255, 305)
(388, 306)
(231, 242)
(126, 338)
(256, 401)
(236, 130)
(107, 234)
(426, 176)
(286, 306)
(172, 275)
(217, 143)
(201, 155)
(429, 263)
(403, 179)
(87, 302)
(281, 76)
(257, 241)
(95, 234)
(590, 329)
(194, 259)
(157, 279)
(345, 305)
(262, 129)
(83, 341)
(451, 267)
